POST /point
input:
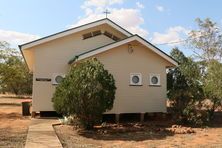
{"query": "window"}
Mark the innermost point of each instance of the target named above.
(57, 78)
(155, 79)
(136, 79)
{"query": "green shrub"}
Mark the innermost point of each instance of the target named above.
(185, 90)
(191, 115)
(87, 91)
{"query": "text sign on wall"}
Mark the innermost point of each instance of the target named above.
(43, 79)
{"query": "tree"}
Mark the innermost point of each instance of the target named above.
(206, 42)
(184, 87)
(14, 75)
(213, 85)
(87, 91)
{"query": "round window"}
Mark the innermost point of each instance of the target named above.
(135, 79)
(58, 79)
(154, 80)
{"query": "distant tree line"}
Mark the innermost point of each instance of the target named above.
(14, 75)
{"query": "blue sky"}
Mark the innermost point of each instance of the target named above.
(159, 21)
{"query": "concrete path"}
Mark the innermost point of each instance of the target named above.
(42, 135)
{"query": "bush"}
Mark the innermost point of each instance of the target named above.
(191, 115)
(185, 90)
(87, 91)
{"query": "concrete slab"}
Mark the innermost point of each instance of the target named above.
(42, 135)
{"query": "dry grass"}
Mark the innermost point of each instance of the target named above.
(13, 126)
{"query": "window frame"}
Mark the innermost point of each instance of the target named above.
(140, 79)
(151, 75)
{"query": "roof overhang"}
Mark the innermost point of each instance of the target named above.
(74, 30)
(96, 51)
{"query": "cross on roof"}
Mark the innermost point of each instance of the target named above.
(107, 12)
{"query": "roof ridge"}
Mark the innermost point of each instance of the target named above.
(73, 28)
(62, 31)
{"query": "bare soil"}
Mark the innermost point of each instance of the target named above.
(135, 135)
(13, 126)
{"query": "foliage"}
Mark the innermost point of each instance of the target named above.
(213, 85)
(206, 41)
(88, 90)
(184, 86)
(207, 44)
(193, 115)
(14, 75)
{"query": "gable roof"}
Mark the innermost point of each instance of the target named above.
(121, 42)
(74, 30)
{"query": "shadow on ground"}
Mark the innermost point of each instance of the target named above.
(135, 131)
(217, 120)
(129, 132)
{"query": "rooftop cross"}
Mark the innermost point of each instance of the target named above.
(107, 12)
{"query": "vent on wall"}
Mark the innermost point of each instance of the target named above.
(95, 33)
(91, 34)
(98, 32)
(87, 35)
(110, 35)
(115, 38)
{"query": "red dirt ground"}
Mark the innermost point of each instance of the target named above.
(135, 135)
(13, 126)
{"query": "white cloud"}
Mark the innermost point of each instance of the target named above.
(173, 34)
(100, 3)
(16, 38)
(94, 10)
(160, 8)
(139, 5)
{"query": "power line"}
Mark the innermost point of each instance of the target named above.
(174, 42)
(180, 41)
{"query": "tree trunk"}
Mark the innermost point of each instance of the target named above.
(212, 110)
